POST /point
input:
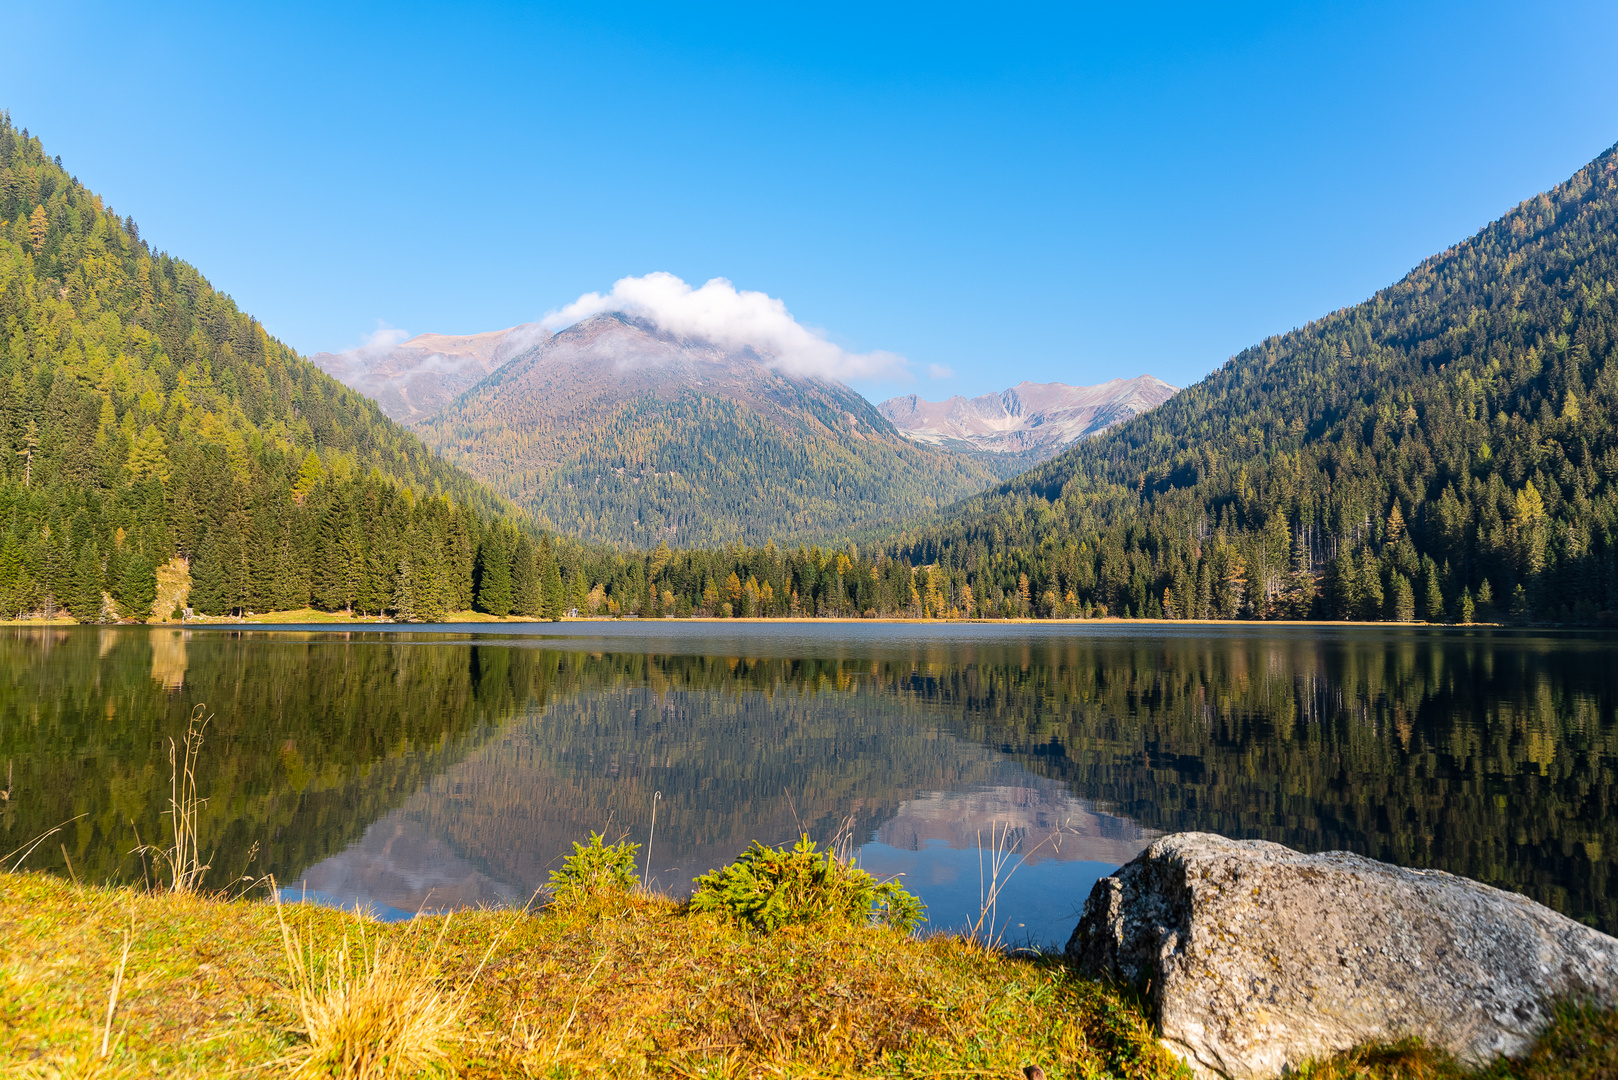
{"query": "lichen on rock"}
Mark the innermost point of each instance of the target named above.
(1256, 958)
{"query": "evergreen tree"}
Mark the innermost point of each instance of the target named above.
(209, 588)
(403, 604)
(494, 575)
(1433, 607)
(84, 601)
(526, 597)
(578, 594)
(1404, 600)
(139, 587)
(554, 603)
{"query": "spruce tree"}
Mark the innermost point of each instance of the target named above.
(84, 602)
(1433, 601)
(526, 598)
(1404, 600)
(403, 603)
(209, 589)
(139, 587)
(494, 580)
(554, 603)
(578, 593)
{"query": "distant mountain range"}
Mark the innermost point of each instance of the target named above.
(1030, 417)
(416, 378)
(617, 431)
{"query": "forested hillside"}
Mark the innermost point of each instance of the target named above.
(144, 418)
(618, 432)
(1443, 451)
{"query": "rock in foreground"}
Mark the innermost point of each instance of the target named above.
(1256, 958)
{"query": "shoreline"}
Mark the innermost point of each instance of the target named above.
(314, 617)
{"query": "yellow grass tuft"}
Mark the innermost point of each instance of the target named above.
(370, 1010)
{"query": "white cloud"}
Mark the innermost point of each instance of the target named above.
(375, 347)
(940, 371)
(384, 337)
(732, 318)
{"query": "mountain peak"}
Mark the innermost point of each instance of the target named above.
(622, 431)
(1030, 416)
(413, 379)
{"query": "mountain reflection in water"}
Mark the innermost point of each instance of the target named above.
(418, 769)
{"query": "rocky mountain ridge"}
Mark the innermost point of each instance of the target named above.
(414, 379)
(1028, 417)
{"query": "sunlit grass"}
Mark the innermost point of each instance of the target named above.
(369, 1007)
(631, 985)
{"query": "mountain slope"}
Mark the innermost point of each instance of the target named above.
(1028, 417)
(416, 378)
(1443, 450)
(616, 431)
(144, 417)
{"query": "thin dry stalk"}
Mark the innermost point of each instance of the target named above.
(842, 842)
(646, 878)
(117, 987)
(28, 848)
(185, 863)
(578, 998)
(993, 876)
(186, 868)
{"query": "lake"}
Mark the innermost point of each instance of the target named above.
(417, 768)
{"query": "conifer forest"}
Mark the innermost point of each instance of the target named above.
(1442, 452)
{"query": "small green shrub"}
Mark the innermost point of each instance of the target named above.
(596, 867)
(770, 887)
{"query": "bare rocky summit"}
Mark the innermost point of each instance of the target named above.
(1029, 416)
(1256, 958)
(413, 379)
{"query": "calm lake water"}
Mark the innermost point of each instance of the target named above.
(435, 768)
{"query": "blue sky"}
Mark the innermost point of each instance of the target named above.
(1068, 193)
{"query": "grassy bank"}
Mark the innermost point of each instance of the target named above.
(619, 985)
(622, 986)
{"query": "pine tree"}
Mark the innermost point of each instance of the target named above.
(554, 603)
(84, 599)
(526, 597)
(1372, 597)
(1433, 608)
(403, 604)
(209, 589)
(138, 587)
(1404, 600)
(578, 593)
(494, 575)
(13, 576)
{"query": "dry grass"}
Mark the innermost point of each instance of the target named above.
(629, 986)
(632, 987)
(371, 1009)
(184, 855)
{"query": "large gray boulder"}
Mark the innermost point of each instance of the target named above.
(1256, 958)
